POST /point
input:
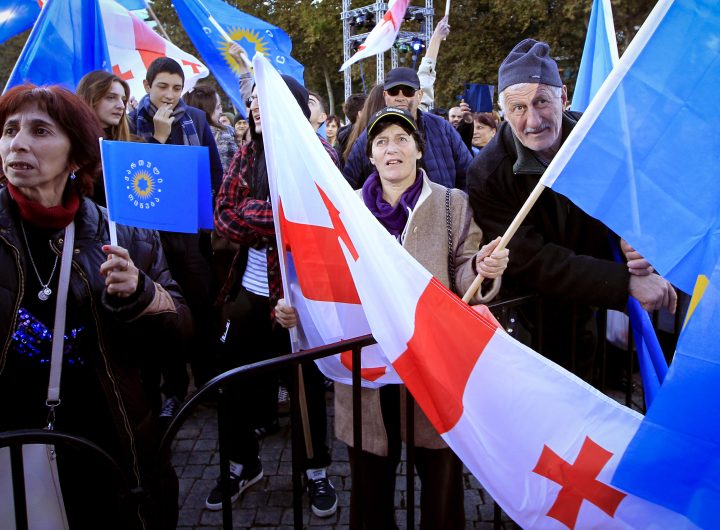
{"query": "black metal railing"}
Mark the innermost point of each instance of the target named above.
(15, 440)
(218, 384)
(503, 310)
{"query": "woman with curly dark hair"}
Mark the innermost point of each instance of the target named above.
(116, 295)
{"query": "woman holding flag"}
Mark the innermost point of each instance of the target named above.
(59, 269)
(428, 220)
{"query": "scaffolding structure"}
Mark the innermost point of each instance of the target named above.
(377, 11)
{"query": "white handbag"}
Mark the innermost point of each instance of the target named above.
(43, 496)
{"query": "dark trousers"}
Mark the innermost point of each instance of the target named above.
(189, 259)
(442, 496)
(251, 337)
(189, 263)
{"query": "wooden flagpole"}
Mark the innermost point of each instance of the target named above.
(157, 21)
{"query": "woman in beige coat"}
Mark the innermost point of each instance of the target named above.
(422, 215)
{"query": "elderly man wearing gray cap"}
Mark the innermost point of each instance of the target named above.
(445, 159)
(559, 251)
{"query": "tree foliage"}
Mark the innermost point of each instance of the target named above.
(482, 34)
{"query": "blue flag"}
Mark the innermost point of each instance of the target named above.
(674, 459)
(599, 56)
(253, 34)
(132, 5)
(479, 97)
(16, 16)
(163, 187)
(67, 41)
(653, 366)
(641, 159)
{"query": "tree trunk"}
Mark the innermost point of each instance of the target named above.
(331, 98)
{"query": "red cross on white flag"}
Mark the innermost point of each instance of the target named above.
(516, 419)
(133, 45)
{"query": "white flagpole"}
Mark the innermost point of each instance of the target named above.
(220, 30)
(294, 332)
(112, 228)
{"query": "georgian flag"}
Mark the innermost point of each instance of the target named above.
(133, 45)
(541, 441)
(61, 51)
(382, 35)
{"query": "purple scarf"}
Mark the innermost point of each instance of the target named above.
(393, 218)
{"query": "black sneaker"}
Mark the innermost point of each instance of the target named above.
(248, 477)
(266, 430)
(170, 408)
(323, 499)
(283, 401)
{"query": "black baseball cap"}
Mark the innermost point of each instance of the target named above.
(394, 114)
(402, 76)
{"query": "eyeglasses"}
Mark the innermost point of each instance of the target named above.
(249, 100)
(407, 91)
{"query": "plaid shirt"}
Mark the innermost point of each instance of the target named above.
(248, 221)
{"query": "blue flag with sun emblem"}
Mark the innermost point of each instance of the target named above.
(158, 186)
(253, 34)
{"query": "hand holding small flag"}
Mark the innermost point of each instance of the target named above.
(121, 275)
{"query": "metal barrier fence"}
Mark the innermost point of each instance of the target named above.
(15, 440)
(501, 309)
(218, 384)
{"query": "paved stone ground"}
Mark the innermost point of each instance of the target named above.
(268, 504)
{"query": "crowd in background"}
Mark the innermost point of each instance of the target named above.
(213, 300)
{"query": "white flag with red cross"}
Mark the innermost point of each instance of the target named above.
(382, 36)
(133, 45)
(541, 441)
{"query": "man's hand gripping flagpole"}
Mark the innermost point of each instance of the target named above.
(507, 236)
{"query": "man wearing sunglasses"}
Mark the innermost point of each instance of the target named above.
(445, 158)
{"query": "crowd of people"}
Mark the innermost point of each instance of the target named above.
(139, 311)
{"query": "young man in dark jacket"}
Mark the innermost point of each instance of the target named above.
(163, 117)
(445, 158)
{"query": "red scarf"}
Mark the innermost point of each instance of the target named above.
(54, 217)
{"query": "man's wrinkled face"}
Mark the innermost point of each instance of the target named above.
(534, 112)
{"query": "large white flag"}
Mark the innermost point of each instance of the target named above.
(541, 441)
(382, 35)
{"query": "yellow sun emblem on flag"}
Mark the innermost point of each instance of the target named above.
(251, 38)
(143, 184)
